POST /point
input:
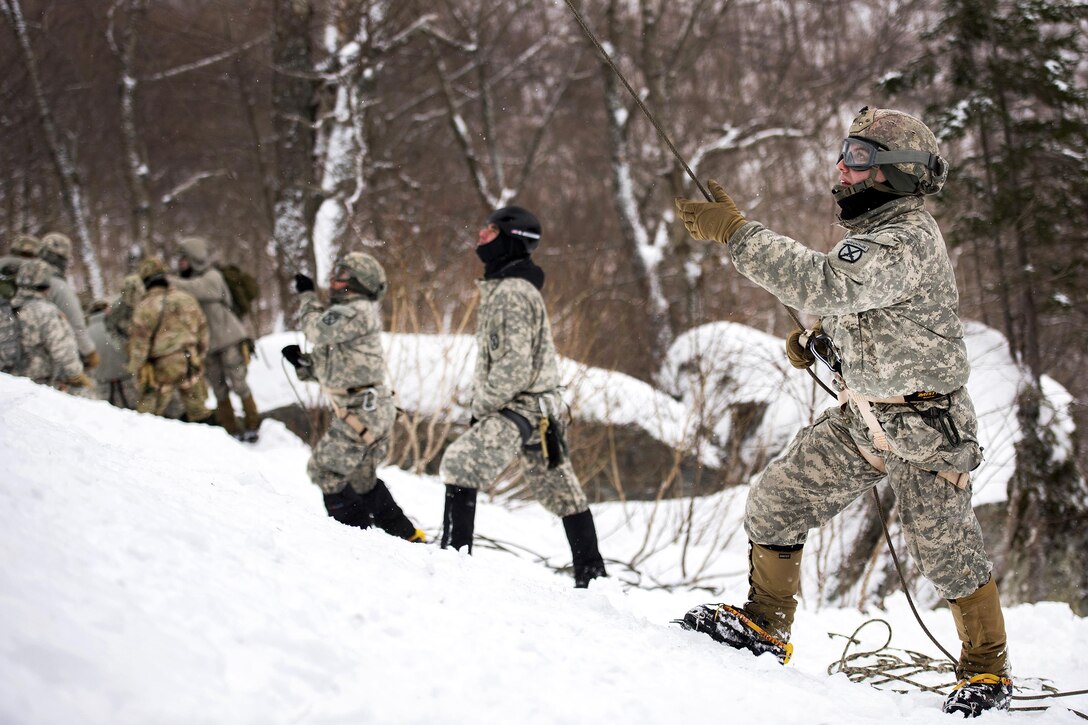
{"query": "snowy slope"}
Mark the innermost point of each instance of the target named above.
(157, 572)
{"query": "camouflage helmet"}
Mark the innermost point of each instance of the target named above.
(26, 245)
(57, 250)
(151, 269)
(58, 244)
(34, 274)
(906, 151)
(132, 290)
(358, 272)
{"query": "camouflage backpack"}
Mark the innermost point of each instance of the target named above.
(11, 339)
(243, 288)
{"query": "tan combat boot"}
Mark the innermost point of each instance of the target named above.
(775, 577)
(763, 624)
(251, 419)
(224, 413)
(983, 668)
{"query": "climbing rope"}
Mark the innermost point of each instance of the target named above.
(890, 667)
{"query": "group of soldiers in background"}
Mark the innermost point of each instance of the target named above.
(159, 344)
(154, 348)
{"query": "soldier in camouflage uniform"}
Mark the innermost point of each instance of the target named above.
(889, 327)
(168, 339)
(49, 352)
(516, 400)
(56, 249)
(23, 248)
(228, 358)
(347, 360)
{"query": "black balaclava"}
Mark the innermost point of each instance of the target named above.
(507, 255)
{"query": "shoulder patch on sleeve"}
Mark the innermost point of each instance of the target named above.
(335, 314)
(854, 253)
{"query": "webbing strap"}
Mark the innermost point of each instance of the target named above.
(353, 422)
(959, 479)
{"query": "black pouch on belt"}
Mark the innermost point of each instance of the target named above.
(555, 443)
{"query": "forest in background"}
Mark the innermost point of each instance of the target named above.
(287, 131)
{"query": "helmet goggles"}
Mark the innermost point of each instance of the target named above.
(859, 154)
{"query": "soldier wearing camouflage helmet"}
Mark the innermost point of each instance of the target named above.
(48, 346)
(228, 357)
(516, 400)
(889, 328)
(56, 250)
(168, 339)
(348, 362)
(23, 248)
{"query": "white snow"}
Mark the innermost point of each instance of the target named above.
(160, 572)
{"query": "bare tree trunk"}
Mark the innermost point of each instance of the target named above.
(647, 253)
(294, 96)
(137, 171)
(71, 186)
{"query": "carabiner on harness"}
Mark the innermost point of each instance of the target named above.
(823, 349)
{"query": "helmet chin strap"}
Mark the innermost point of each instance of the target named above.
(842, 192)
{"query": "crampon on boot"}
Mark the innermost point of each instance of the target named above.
(982, 692)
(731, 626)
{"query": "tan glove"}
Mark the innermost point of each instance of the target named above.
(79, 381)
(145, 377)
(717, 220)
(797, 348)
(91, 360)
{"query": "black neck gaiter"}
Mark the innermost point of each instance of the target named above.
(854, 206)
(524, 268)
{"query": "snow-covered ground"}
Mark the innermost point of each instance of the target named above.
(158, 572)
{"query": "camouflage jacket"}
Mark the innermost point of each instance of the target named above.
(516, 362)
(886, 295)
(346, 341)
(50, 354)
(64, 297)
(176, 322)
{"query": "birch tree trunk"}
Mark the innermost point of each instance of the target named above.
(71, 185)
(137, 171)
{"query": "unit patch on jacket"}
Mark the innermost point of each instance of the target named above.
(851, 251)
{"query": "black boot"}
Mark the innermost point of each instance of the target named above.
(975, 695)
(348, 508)
(387, 515)
(459, 518)
(582, 535)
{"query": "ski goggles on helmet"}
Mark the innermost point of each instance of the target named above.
(858, 154)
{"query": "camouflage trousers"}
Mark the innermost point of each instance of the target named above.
(342, 458)
(822, 471)
(479, 456)
(225, 370)
(175, 374)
